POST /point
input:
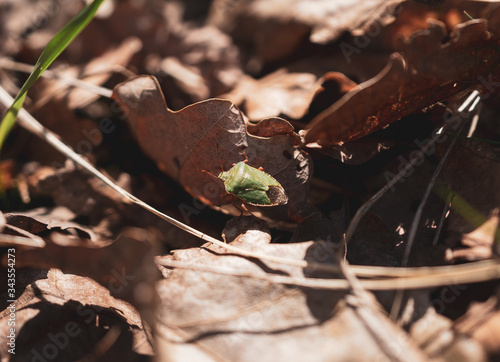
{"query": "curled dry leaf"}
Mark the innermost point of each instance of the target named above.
(423, 72)
(18, 230)
(72, 316)
(124, 266)
(334, 86)
(29, 228)
(206, 134)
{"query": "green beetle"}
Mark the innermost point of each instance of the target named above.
(253, 186)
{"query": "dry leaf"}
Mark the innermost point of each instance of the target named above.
(71, 318)
(422, 73)
(124, 266)
(279, 93)
(481, 322)
(479, 243)
(220, 316)
(205, 135)
(284, 24)
(438, 338)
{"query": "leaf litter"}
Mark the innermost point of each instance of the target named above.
(286, 96)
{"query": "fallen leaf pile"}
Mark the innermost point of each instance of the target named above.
(378, 118)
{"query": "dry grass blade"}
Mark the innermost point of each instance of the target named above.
(398, 298)
(415, 278)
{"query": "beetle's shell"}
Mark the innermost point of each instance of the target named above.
(253, 186)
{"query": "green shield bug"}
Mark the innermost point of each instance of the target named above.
(253, 186)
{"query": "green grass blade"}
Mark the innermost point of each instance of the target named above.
(55, 47)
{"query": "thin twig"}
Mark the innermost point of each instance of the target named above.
(398, 297)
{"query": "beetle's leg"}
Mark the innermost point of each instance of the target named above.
(243, 208)
(244, 161)
(210, 174)
(240, 209)
(220, 161)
